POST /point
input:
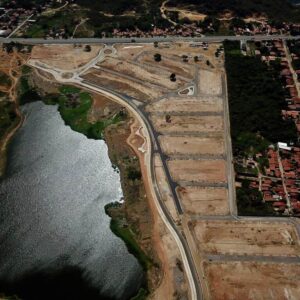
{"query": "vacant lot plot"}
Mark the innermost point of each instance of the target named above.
(173, 65)
(132, 51)
(188, 124)
(64, 57)
(247, 237)
(148, 74)
(210, 82)
(121, 85)
(191, 145)
(198, 170)
(181, 104)
(253, 280)
(204, 201)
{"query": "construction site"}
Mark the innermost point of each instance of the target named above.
(177, 96)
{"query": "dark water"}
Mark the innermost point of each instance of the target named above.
(54, 233)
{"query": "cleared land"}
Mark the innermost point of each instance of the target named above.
(121, 85)
(64, 57)
(246, 237)
(251, 280)
(210, 82)
(204, 201)
(187, 104)
(188, 123)
(198, 170)
(153, 75)
(191, 145)
(170, 64)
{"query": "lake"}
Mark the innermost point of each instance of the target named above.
(54, 232)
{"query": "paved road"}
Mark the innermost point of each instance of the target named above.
(196, 289)
(146, 39)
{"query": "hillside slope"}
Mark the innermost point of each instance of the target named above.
(274, 9)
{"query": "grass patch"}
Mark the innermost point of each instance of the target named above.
(74, 105)
(124, 232)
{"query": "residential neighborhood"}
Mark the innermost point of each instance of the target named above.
(278, 178)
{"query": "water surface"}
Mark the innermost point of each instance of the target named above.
(52, 207)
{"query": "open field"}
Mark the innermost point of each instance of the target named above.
(198, 170)
(65, 57)
(154, 75)
(204, 201)
(188, 123)
(187, 104)
(246, 237)
(253, 280)
(191, 145)
(120, 85)
(210, 82)
(168, 63)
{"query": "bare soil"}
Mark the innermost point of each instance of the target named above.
(64, 57)
(191, 145)
(121, 85)
(198, 170)
(253, 280)
(181, 124)
(204, 201)
(246, 237)
(187, 104)
(152, 75)
(210, 82)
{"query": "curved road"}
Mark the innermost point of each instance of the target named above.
(191, 273)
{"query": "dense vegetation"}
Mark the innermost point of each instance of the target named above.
(26, 93)
(4, 79)
(8, 117)
(275, 9)
(256, 98)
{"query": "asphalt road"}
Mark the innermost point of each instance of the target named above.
(145, 39)
(155, 145)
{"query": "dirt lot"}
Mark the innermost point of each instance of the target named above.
(247, 237)
(198, 170)
(65, 57)
(121, 85)
(210, 82)
(188, 124)
(253, 281)
(191, 145)
(204, 201)
(154, 75)
(187, 104)
(169, 64)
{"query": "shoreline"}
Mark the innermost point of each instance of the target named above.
(115, 135)
(6, 139)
